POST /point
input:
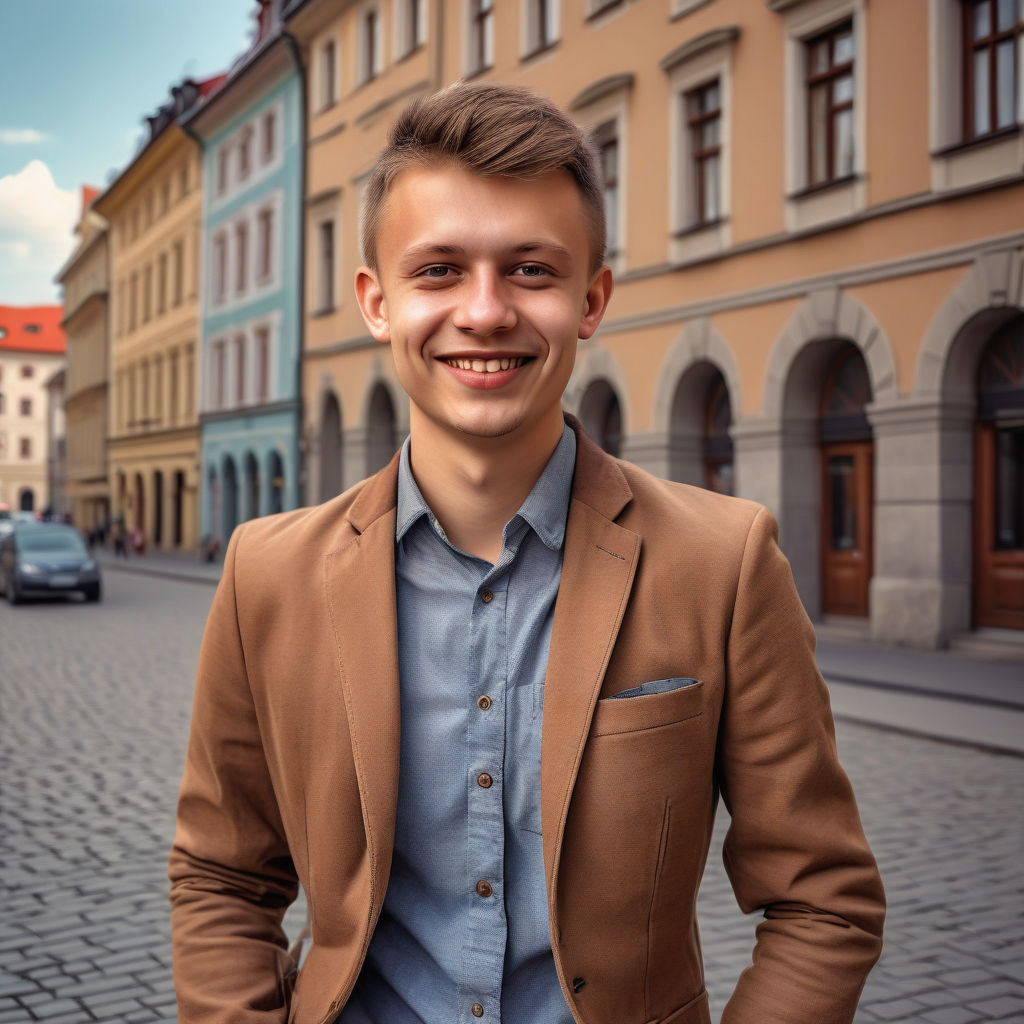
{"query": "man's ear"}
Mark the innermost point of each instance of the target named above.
(370, 297)
(596, 302)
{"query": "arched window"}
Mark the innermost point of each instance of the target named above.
(717, 441)
(601, 416)
(381, 441)
(330, 447)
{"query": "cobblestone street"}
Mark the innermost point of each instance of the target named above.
(94, 706)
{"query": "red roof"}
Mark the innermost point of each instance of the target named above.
(32, 329)
(210, 84)
(88, 195)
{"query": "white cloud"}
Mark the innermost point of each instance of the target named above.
(21, 136)
(37, 220)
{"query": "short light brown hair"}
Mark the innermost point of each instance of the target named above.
(489, 129)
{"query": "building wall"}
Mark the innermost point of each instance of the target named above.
(86, 291)
(154, 214)
(902, 256)
(248, 309)
(24, 472)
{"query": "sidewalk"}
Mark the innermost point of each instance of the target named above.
(963, 696)
(177, 565)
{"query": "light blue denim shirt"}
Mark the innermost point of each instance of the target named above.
(465, 918)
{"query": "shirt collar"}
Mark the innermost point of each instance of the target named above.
(545, 509)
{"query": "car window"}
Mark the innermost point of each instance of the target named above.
(42, 539)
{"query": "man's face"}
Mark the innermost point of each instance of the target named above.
(482, 289)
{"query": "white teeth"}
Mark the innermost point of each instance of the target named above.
(487, 365)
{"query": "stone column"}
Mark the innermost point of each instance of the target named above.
(777, 463)
(649, 450)
(353, 454)
(923, 532)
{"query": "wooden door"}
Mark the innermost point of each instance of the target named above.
(846, 527)
(999, 526)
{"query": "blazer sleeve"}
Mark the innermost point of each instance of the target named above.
(795, 848)
(231, 873)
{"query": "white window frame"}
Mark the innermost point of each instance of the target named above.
(364, 72)
(611, 109)
(406, 40)
(256, 286)
(803, 19)
(326, 210)
(955, 162)
(229, 149)
(688, 241)
(531, 41)
(469, 48)
(327, 82)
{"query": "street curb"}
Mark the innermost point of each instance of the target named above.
(170, 574)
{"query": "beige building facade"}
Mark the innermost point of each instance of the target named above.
(153, 210)
(816, 221)
(31, 353)
(85, 281)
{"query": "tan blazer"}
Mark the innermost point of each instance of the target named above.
(292, 767)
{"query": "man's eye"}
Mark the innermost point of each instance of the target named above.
(437, 273)
(531, 270)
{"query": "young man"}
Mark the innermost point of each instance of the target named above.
(482, 705)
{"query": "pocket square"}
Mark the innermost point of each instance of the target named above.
(655, 686)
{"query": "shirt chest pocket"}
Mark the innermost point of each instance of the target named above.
(650, 705)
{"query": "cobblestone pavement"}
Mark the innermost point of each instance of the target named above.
(94, 706)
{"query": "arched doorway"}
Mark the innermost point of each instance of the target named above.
(999, 480)
(847, 465)
(601, 416)
(214, 508)
(179, 508)
(330, 447)
(252, 486)
(139, 511)
(700, 446)
(380, 430)
(27, 500)
(276, 467)
(230, 496)
(158, 508)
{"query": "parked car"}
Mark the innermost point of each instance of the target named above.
(40, 559)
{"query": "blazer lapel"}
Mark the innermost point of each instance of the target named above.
(598, 567)
(359, 579)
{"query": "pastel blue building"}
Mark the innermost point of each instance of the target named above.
(252, 135)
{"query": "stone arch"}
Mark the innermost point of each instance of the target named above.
(380, 421)
(826, 314)
(698, 343)
(599, 364)
(330, 445)
(988, 294)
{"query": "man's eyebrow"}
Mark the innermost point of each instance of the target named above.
(432, 250)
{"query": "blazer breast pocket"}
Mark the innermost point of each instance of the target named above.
(650, 705)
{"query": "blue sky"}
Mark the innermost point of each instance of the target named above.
(78, 77)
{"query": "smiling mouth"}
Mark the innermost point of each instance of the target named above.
(488, 365)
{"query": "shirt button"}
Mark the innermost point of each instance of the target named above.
(487, 596)
(484, 702)
(483, 780)
(478, 1010)
(483, 888)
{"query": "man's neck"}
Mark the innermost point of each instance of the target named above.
(475, 485)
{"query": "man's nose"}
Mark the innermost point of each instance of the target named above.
(484, 305)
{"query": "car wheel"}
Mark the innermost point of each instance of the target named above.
(93, 594)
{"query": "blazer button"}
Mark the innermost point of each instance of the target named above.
(484, 702)
(484, 781)
(487, 596)
(478, 1010)
(483, 888)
